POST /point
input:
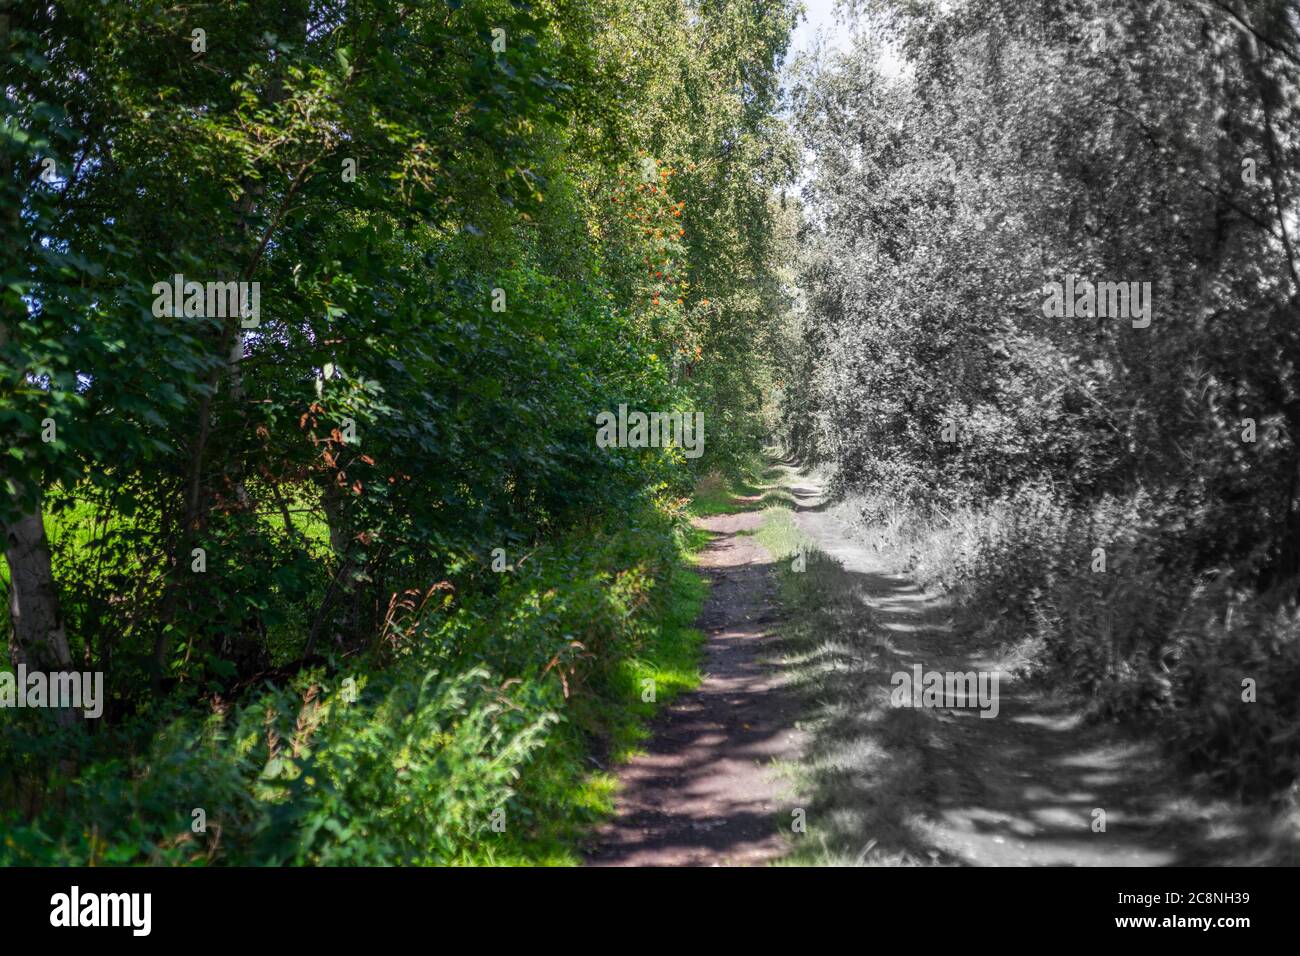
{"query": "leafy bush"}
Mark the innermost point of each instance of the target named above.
(466, 711)
(1143, 639)
(1228, 636)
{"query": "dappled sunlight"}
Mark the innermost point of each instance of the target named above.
(943, 784)
(706, 788)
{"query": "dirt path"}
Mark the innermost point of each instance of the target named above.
(885, 785)
(936, 785)
(704, 792)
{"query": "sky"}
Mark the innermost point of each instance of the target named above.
(820, 19)
(820, 16)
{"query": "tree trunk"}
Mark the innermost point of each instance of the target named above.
(38, 638)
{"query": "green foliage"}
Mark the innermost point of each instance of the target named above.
(462, 261)
(472, 709)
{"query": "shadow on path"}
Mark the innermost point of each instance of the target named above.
(945, 785)
(703, 792)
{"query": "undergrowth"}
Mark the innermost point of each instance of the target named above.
(467, 738)
(1101, 602)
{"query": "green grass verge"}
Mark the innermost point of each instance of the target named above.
(669, 662)
(715, 494)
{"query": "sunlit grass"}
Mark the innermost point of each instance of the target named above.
(669, 660)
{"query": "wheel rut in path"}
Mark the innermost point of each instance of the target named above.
(704, 792)
(942, 785)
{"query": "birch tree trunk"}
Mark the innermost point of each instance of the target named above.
(37, 638)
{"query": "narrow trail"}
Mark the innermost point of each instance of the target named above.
(704, 792)
(1020, 789)
(883, 785)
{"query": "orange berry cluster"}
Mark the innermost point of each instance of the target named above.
(651, 206)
